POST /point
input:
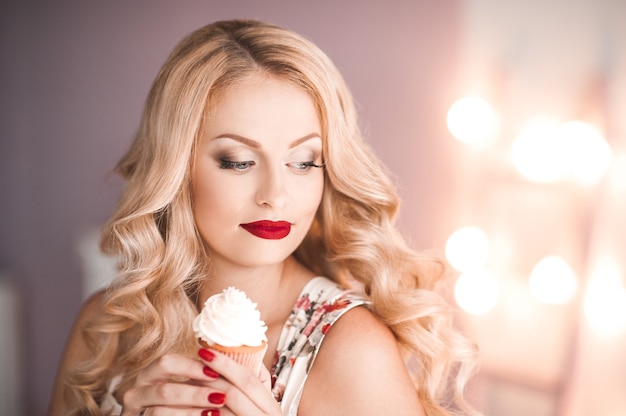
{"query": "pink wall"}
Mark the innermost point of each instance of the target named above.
(73, 79)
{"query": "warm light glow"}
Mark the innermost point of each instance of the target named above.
(546, 151)
(471, 119)
(467, 249)
(586, 150)
(605, 299)
(476, 292)
(537, 152)
(617, 174)
(553, 281)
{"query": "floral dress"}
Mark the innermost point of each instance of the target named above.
(320, 304)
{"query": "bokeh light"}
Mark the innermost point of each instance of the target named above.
(587, 152)
(477, 291)
(553, 281)
(605, 299)
(547, 151)
(537, 152)
(471, 119)
(467, 249)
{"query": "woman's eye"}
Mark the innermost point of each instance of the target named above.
(304, 166)
(237, 166)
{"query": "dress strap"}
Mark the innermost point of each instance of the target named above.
(109, 404)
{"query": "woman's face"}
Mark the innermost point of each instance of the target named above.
(255, 185)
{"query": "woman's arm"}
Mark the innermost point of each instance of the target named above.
(76, 351)
(359, 371)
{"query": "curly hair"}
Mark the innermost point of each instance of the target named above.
(149, 307)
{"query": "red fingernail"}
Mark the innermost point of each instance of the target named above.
(212, 412)
(217, 398)
(206, 355)
(209, 372)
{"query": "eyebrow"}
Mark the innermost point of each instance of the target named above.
(256, 145)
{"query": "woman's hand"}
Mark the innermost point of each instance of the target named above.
(178, 385)
(174, 385)
(245, 393)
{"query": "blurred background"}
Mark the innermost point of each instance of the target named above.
(503, 121)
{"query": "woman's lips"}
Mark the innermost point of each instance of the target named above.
(270, 230)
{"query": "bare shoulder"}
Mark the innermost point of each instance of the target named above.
(359, 370)
(91, 307)
(76, 350)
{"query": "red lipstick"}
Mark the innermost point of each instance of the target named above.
(270, 230)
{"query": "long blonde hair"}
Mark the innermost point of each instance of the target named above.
(149, 307)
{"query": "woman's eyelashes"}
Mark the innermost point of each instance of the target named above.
(240, 165)
(303, 160)
(243, 166)
(236, 165)
(299, 162)
(305, 166)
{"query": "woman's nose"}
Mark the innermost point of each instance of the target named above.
(271, 188)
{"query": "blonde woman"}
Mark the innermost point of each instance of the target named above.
(249, 170)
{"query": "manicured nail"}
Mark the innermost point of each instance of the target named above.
(217, 398)
(212, 412)
(210, 372)
(206, 355)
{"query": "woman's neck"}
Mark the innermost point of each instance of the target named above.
(273, 288)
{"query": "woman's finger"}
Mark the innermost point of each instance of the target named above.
(171, 411)
(172, 367)
(245, 393)
(266, 378)
(171, 395)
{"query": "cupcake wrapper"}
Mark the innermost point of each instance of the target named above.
(250, 357)
(251, 360)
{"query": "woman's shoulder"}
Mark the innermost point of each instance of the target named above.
(92, 305)
(76, 349)
(90, 309)
(359, 330)
(359, 362)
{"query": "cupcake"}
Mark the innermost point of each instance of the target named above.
(230, 323)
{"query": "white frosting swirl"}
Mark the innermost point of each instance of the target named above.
(230, 319)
